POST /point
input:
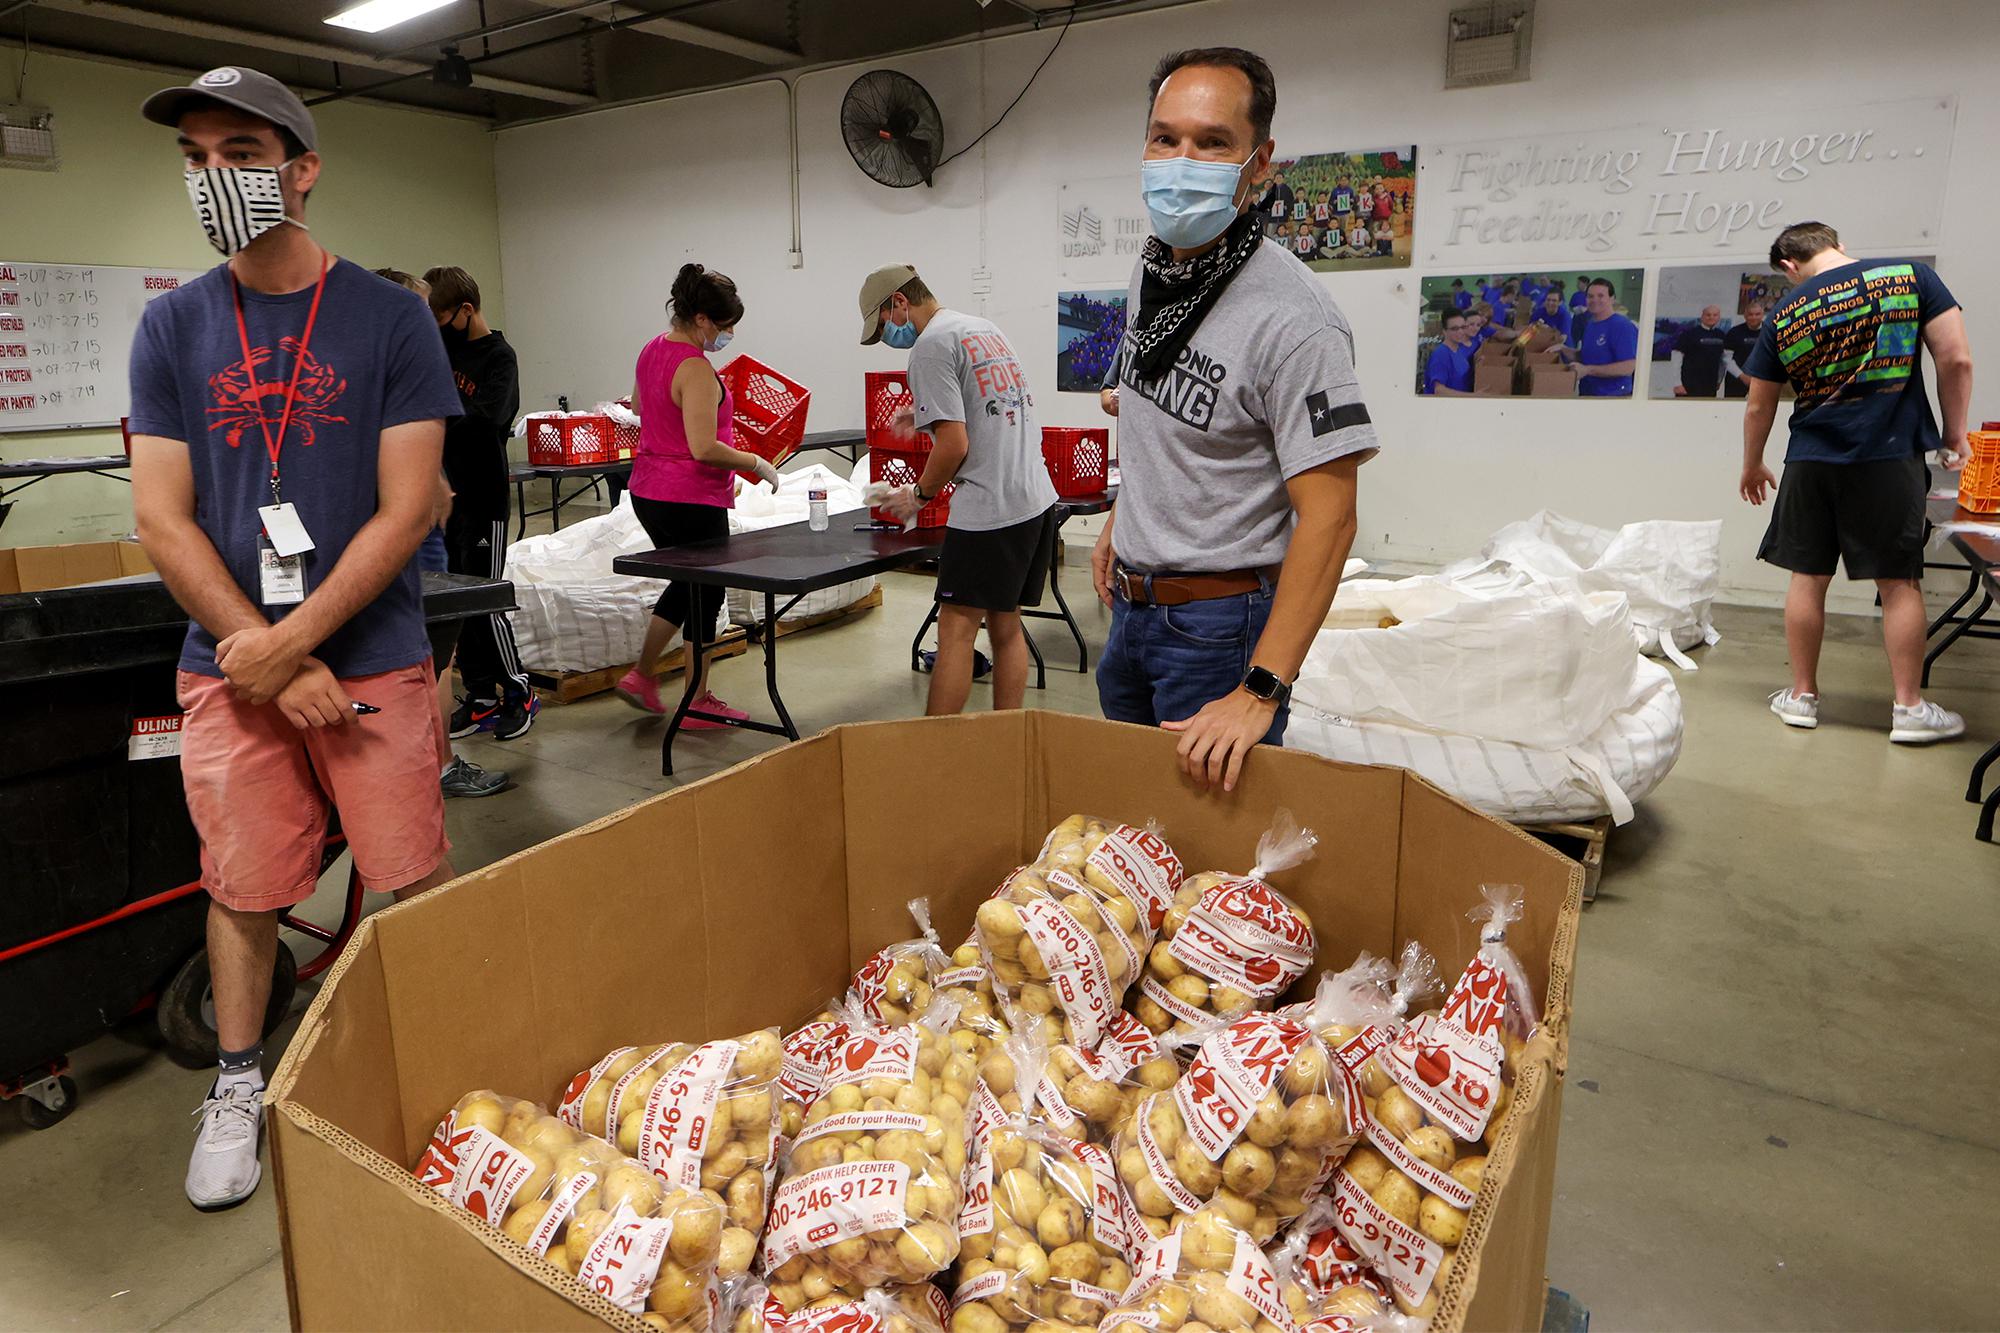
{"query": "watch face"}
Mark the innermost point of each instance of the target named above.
(1262, 683)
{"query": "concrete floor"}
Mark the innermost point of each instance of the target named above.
(1784, 1058)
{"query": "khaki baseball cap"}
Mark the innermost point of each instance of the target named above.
(876, 288)
(247, 90)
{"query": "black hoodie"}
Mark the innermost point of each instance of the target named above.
(475, 445)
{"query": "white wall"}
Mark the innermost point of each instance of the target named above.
(597, 212)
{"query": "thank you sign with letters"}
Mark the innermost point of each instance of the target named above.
(1711, 186)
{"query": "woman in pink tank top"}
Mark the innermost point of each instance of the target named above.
(684, 478)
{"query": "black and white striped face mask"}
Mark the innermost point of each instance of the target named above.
(236, 205)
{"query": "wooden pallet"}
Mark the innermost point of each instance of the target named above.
(568, 687)
(1590, 856)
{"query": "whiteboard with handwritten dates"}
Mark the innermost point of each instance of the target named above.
(66, 337)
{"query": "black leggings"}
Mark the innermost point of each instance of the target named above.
(672, 523)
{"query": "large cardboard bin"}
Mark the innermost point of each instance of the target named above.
(748, 900)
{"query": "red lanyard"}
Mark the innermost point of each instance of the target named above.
(271, 443)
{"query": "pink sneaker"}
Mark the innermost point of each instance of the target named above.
(642, 692)
(708, 703)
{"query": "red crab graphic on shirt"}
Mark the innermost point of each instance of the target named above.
(241, 396)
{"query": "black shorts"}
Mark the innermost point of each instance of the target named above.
(1868, 515)
(1003, 569)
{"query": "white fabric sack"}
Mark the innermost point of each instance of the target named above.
(1669, 571)
(1613, 769)
(1542, 665)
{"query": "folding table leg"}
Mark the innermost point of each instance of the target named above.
(1971, 587)
(1957, 632)
(771, 664)
(1069, 618)
(1986, 816)
(1035, 651)
(917, 644)
(694, 646)
(520, 510)
(1977, 785)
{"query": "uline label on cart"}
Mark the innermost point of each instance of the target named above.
(154, 737)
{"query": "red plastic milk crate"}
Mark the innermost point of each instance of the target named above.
(571, 441)
(1078, 458)
(888, 393)
(902, 464)
(770, 410)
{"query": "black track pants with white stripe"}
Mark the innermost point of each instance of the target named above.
(487, 658)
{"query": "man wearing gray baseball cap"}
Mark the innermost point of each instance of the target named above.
(288, 413)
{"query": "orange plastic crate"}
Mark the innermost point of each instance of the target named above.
(1979, 484)
(769, 410)
(902, 464)
(1078, 459)
(571, 441)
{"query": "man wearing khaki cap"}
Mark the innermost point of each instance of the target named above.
(969, 391)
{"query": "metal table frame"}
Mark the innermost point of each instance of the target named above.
(39, 470)
(787, 562)
(523, 473)
(1982, 563)
(848, 442)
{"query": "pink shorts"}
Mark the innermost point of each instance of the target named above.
(260, 790)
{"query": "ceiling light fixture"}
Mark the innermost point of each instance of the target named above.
(375, 15)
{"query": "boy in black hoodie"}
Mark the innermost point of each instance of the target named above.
(497, 694)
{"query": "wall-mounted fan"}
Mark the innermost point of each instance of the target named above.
(892, 128)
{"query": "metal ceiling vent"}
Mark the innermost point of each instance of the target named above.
(1488, 43)
(28, 137)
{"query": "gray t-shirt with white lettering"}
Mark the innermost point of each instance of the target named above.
(963, 370)
(1264, 390)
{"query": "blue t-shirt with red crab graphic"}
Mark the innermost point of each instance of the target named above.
(375, 361)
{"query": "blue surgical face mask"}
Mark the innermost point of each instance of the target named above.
(1191, 202)
(722, 340)
(899, 336)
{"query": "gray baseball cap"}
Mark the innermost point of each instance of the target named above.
(247, 90)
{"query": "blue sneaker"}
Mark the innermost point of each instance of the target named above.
(473, 716)
(513, 718)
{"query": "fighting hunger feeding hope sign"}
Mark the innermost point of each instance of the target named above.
(1704, 187)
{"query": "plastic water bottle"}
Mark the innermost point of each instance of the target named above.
(816, 509)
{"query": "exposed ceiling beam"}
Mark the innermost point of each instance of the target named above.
(310, 50)
(693, 34)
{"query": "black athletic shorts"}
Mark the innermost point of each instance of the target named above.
(1003, 569)
(1868, 515)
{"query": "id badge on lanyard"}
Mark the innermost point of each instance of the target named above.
(282, 539)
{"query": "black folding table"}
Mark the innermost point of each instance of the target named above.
(523, 473)
(31, 471)
(849, 442)
(788, 562)
(1982, 559)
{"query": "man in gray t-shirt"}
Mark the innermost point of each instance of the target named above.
(969, 391)
(1241, 428)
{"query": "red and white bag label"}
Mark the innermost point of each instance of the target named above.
(1330, 1264)
(975, 975)
(1051, 1104)
(808, 1054)
(1127, 1044)
(560, 1208)
(871, 983)
(1453, 1075)
(1442, 1183)
(1176, 1007)
(975, 1215)
(862, 1122)
(939, 1306)
(625, 1081)
(1141, 864)
(1064, 884)
(1243, 934)
(1230, 1074)
(438, 1166)
(154, 737)
(990, 1283)
(570, 1109)
(1107, 1200)
(1159, 1259)
(490, 1172)
(1352, 1057)
(680, 1114)
(1076, 968)
(812, 1211)
(1483, 1003)
(1252, 1277)
(876, 1053)
(1160, 1168)
(846, 1317)
(624, 1263)
(1406, 1256)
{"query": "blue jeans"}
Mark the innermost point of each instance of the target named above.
(430, 555)
(1166, 663)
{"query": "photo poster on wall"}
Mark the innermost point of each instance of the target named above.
(1705, 319)
(1344, 212)
(1526, 333)
(1089, 326)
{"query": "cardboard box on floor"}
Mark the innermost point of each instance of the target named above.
(682, 918)
(40, 568)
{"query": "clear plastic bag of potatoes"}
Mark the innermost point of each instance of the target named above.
(872, 1184)
(698, 1117)
(1229, 943)
(1090, 1095)
(1252, 1126)
(1043, 1236)
(809, 1052)
(1205, 1276)
(1068, 935)
(1341, 1291)
(1443, 1087)
(646, 1246)
(894, 986)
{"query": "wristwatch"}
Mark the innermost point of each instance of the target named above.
(1264, 684)
(917, 489)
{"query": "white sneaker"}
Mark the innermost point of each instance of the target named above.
(224, 1169)
(1796, 710)
(1924, 723)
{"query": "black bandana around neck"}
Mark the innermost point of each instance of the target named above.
(1175, 295)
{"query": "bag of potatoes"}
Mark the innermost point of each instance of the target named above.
(1089, 1095)
(894, 986)
(1068, 934)
(648, 1247)
(1445, 1083)
(699, 1117)
(1205, 1276)
(1229, 943)
(1341, 1291)
(872, 1184)
(809, 1052)
(1043, 1236)
(1253, 1125)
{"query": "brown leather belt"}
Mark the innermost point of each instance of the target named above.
(1180, 589)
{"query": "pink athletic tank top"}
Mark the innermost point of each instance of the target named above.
(665, 469)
